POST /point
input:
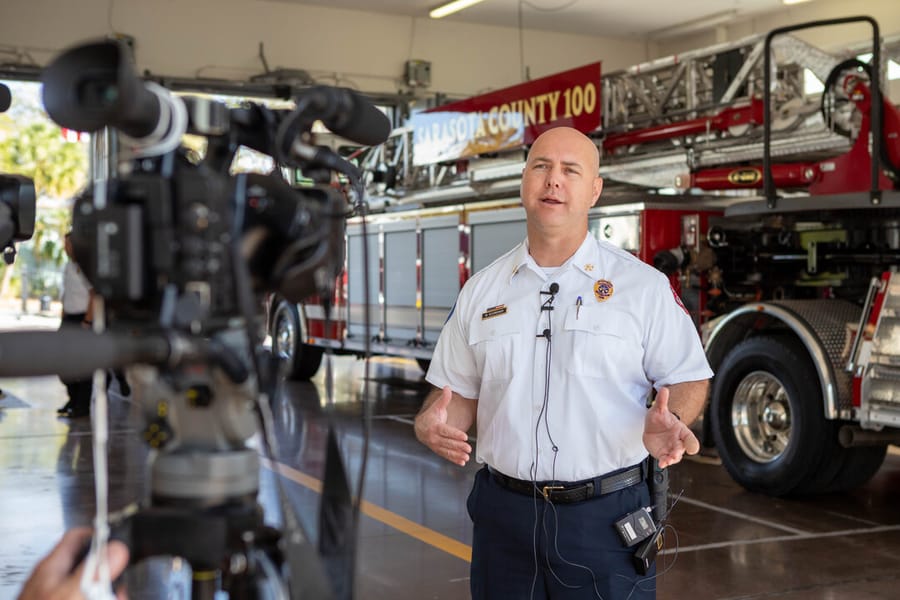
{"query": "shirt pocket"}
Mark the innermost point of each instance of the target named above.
(602, 342)
(495, 342)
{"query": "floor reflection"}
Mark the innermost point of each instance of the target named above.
(414, 532)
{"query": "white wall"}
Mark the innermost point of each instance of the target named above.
(833, 38)
(220, 38)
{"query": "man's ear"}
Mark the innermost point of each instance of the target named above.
(597, 189)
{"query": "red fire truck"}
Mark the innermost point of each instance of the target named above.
(759, 198)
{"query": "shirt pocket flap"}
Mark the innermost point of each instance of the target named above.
(599, 320)
(493, 327)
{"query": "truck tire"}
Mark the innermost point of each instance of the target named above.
(300, 361)
(768, 419)
(857, 466)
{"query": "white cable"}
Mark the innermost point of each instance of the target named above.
(95, 581)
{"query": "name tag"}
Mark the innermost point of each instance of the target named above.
(492, 312)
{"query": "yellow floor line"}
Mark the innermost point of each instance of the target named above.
(382, 515)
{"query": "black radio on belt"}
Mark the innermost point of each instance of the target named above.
(636, 527)
(632, 528)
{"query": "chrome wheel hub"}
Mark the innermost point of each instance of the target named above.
(761, 416)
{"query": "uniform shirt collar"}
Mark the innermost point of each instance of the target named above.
(585, 260)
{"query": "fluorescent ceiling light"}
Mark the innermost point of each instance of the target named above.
(451, 7)
(789, 2)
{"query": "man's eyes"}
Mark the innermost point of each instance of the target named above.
(566, 169)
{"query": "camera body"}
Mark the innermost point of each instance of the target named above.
(155, 233)
(159, 246)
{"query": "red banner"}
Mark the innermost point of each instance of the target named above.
(508, 118)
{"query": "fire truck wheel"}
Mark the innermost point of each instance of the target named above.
(301, 361)
(856, 466)
(767, 416)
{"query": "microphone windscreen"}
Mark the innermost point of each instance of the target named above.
(554, 287)
(362, 122)
(348, 114)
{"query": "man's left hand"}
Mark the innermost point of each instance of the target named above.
(665, 436)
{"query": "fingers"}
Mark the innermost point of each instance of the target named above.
(118, 558)
(452, 433)
(64, 555)
(451, 443)
(454, 445)
(454, 450)
(691, 443)
(454, 456)
(72, 543)
(448, 442)
(54, 577)
(117, 555)
(669, 459)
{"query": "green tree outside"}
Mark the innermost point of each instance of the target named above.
(33, 146)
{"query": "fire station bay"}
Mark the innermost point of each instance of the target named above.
(488, 299)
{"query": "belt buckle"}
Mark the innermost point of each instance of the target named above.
(548, 489)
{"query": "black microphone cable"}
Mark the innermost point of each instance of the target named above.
(547, 333)
(543, 416)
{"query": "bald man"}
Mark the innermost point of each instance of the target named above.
(554, 350)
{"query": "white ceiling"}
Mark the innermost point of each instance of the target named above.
(617, 18)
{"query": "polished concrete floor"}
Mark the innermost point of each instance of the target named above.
(414, 533)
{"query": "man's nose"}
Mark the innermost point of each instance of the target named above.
(552, 179)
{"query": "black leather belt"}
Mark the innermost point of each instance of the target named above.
(566, 493)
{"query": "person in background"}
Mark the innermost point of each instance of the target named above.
(554, 350)
(77, 309)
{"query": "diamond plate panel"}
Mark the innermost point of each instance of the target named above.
(828, 319)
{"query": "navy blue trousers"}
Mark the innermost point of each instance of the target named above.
(525, 548)
(80, 390)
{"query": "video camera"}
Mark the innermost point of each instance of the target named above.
(180, 250)
(166, 226)
(17, 202)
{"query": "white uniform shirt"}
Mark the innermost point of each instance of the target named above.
(627, 333)
(76, 290)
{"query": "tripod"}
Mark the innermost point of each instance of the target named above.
(204, 483)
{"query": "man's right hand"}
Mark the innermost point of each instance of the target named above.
(433, 430)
